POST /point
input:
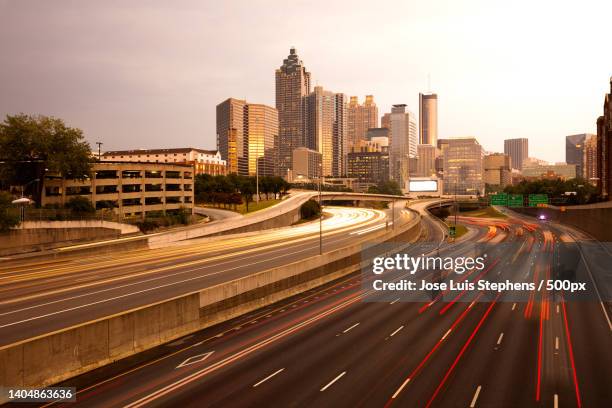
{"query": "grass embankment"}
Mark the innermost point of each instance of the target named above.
(460, 230)
(487, 212)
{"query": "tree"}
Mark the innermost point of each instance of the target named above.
(246, 185)
(80, 205)
(8, 218)
(390, 188)
(31, 146)
(310, 209)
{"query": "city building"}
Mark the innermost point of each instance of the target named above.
(368, 162)
(463, 167)
(403, 140)
(361, 118)
(306, 165)
(518, 150)
(574, 151)
(292, 85)
(247, 137)
(428, 119)
(231, 138)
(203, 161)
(129, 189)
(497, 169)
(426, 160)
(325, 128)
(604, 148)
(563, 171)
(385, 121)
(590, 159)
(377, 132)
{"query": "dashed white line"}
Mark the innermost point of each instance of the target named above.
(395, 301)
(396, 331)
(513, 306)
(400, 388)
(333, 381)
(268, 377)
(556, 342)
(499, 340)
(557, 309)
(352, 327)
(556, 401)
(476, 394)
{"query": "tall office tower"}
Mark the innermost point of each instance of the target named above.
(426, 160)
(604, 147)
(497, 169)
(325, 129)
(292, 84)
(231, 138)
(463, 167)
(385, 121)
(402, 143)
(361, 118)
(247, 136)
(589, 159)
(262, 139)
(377, 132)
(574, 151)
(428, 119)
(518, 150)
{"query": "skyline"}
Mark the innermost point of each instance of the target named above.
(154, 80)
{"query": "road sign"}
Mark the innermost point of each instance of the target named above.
(515, 200)
(499, 199)
(451, 231)
(538, 200)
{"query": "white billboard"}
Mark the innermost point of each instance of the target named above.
(418, 186)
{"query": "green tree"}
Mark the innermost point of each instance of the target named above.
(246, 185)
(310, 209)
(8, 217)
(31, 146)
(80, 206)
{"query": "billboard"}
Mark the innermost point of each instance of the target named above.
(417, 186)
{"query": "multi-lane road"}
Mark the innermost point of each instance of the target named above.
(335, 347)
(38, 297)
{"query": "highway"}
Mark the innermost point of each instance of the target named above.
(331, 347)
(42, 296)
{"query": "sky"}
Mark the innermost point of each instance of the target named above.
(148, 74)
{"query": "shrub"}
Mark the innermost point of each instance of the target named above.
(80, 205)
(310, 209)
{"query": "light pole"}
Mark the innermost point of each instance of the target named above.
(320, 207)
(99, 150)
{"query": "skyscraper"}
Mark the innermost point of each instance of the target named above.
(231, 138)
(463, 167)
(403, 141)
(247, 137)
(428, 119)
(590, 159)
(361, 118)
(325, 129)
(426, 162)
(292, 84)
(497, 169)
(518, 150)
(604, 147)
(262, 139)
(574, 151)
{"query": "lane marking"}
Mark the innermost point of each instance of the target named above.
(268, 377)
(476, 394)
(396, 331)
(446, 334)
(395, 301)
(195, 359)
(513, 306)
(499, 340)
(556, 401)
(401, 388)
(333, 381)
(352, 327)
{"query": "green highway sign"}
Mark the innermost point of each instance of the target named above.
(537, 200)
(451, 231)
(499, 199)
(515, 200)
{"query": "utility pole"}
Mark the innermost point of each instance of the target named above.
(99, 150)
(320, 206)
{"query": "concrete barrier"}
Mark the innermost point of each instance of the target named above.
(54, 357)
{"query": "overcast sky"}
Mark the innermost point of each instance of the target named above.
(144, 74)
